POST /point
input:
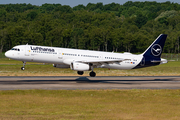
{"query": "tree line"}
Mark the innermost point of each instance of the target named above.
(130, 27)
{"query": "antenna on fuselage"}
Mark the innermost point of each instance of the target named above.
(27, 44)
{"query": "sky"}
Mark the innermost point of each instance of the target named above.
(73, 3)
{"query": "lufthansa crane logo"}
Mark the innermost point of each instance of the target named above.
(156, 50)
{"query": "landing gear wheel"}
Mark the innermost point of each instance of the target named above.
(92, 74)
(80, 72)
(22, 68)
(24, 63)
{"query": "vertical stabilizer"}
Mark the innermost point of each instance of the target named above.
(155, 49)
(152, 55)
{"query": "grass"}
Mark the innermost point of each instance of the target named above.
(90, 104)
(12, 68)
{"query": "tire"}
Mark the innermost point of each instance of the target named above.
(22, 68)
(92, 74)
(80, 72)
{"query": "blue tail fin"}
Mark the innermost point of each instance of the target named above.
(154, 51)
(152, 55)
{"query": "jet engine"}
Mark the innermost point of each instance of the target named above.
(61, 66)
(80, 66)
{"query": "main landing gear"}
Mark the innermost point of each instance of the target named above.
(92, 73)
(24, 63)
(80, 72)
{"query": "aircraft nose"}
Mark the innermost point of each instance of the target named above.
(7, 54)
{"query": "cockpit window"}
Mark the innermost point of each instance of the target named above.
(15, 49)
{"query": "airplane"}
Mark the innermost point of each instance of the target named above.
(87, 60)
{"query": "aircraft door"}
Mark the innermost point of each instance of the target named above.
(27, 51)
(60, 54)
(100, 57)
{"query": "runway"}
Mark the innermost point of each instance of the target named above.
(99, 82)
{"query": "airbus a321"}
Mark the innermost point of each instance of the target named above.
(87, 60)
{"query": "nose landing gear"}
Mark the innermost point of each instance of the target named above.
(24, 63)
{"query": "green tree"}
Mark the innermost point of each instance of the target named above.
(32, 15)
(79, 7)
(66, 37)
(3, 38)
(76, 33)
(140, 20)
(16, 35)
(55, 37)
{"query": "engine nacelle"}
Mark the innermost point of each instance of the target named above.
(61, 66)
(80, 66)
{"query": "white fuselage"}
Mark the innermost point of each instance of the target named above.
(86, 60)
(55, 55)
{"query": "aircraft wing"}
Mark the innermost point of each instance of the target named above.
(102, 61)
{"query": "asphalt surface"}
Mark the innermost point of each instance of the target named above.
(99, 82)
